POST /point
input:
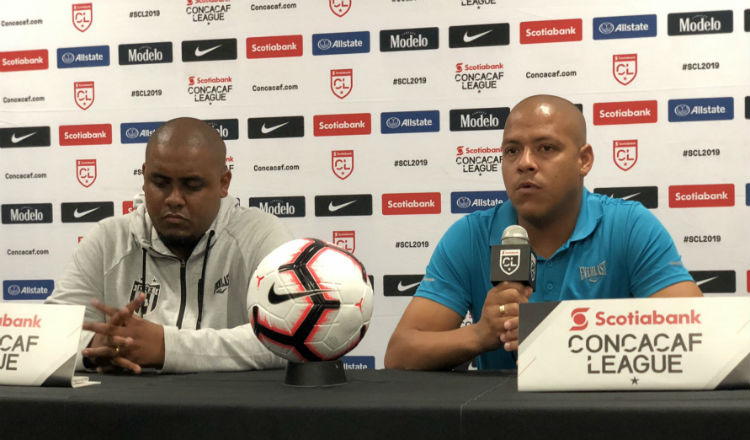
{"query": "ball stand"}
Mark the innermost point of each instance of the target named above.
(315, 374)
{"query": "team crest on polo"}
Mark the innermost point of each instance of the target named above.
(83, 92)
(83, 15)
(342, 163)
(340, 7)
(151, 290)
(86, 171)
(510, 260)
(345, 240)
(625, 67)
(625, 153)
(342, 82)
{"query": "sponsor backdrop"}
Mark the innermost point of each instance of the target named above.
(373, 124)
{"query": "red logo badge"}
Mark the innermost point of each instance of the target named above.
(551, 31)
(93, 134)
(274, 47)
(629, 112)
(24, 60)
(341, 125)
(342, 163)
(344, 240)
(625, 67)
(340, 7)
(127, 207)
(342, 81)
(579, 318)
(86, 171)
(411, 203)
(700, 196)
(83, 15)
(83, 92)
(625, 153)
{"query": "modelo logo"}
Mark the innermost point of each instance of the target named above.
(24, 60)
(700, 196)
(629, 112)
(401, 285)
(209, 50)
(411, 203)
(228, 129)
(274, 47)
(478, 118)
(276, 127)
(293, 206)
(410, 122)
(341, 43)
(343, 205)
(27, 213)
(145, 53)
(90, 56)
(409, 39)
(341, 125)
(464, 202)
(479, 35)
(715, 281)
(694, 23)
(83, 212)
(92, 134)
(648, 196)
(15, 137)
(20, 290)
(551, 31)
(137, 132)
(703, 109)
(627, 26)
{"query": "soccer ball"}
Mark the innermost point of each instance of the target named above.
(310, 301)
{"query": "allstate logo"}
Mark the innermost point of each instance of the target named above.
(393, 123)
(324, 44)
(606, 28)
(68, 58)
(463, 202)
(14, 290)
(132, 133)
(682, 110)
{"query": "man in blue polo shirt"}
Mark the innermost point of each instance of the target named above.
(588, 246)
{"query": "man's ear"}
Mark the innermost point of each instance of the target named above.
(224, 180)
(586, 159)
(143, 173)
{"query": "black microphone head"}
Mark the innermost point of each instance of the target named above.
(515, 234)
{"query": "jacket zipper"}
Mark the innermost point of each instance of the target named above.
(183, 294)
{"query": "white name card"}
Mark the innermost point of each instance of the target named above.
(39, 344)
(635, 344)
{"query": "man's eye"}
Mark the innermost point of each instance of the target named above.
(509, 150)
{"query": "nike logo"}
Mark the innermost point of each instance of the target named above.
(334, 208)
(469, 38)
(402, 288)
(266, 130)
(16, 140)
(77, 214)
(200, 53)
(275, 298)
(701, 282)
(626, 197)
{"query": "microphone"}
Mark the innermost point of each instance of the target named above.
(513, 260)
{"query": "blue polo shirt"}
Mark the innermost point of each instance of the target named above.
(617, 250)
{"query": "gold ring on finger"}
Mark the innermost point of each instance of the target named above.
(502, 310)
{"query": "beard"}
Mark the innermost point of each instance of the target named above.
(181, 243)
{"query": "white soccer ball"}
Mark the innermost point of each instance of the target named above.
(310, 301)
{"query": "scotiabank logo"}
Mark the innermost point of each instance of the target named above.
(649, 318)
(341, 125)
(411, 203)
(578, 315)
(24, 60)
(551, 31)
(701, 196)
(629, 112)
(274, 47)
(92, 134)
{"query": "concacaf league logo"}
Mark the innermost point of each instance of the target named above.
(342, 163)
(86, 171)
(83, 15)
(342, 82)
(340, 7)
(625, 67)
(83, 92)
(345, 240)
(625, 153)
(510, 260)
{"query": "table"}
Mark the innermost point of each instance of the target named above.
(374, 404)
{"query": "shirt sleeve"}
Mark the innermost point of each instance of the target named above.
(447, 278)
(653, 260)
